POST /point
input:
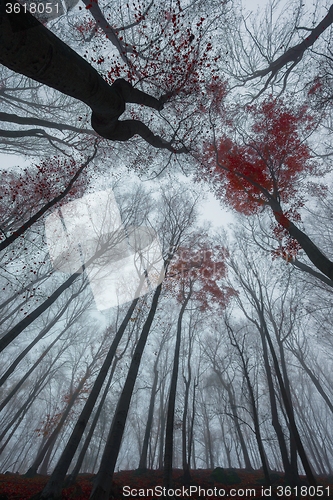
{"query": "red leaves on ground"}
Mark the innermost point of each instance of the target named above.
(16, 487)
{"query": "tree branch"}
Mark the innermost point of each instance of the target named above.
(294, 54)
(12, 118)
(28, 48)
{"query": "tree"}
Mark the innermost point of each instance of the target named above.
(197, 273)
(23, 36)
(254, 290)
(293, 54)
(265, 168)
(245, 361)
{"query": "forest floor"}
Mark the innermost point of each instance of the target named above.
(205, 484)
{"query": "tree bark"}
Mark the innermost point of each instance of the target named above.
(320, 261)
(54, 486)
(51, 440)
(32, 344)
(254, 410)
(73, 475)
(18, 233)
(29, 48)
(103, 481)
(144, 451)
(168, 453)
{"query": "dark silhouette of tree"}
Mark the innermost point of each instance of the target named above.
(293, 55)
(60, 67)
(266, 169)
(239, 345)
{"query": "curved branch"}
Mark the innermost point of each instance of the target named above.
(28, 48)
(294, 54)
(32, 132)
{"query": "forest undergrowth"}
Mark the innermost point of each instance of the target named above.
(133, 484)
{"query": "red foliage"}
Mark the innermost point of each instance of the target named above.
(25, 191)
(173, 58)
(269, 164)
(204, 271)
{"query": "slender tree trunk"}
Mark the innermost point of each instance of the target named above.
(28, 373)
(40, 384)
(273, 406)
(103, 482)
(51, 440)
(239, 432)
(144, 452)
(162, 428)
(18, 233)
(168, 453)
(73, 475)
(254, 411)
(44, 467)
(38, 338)
(299, 356)
(30, 318)
(185, 434)
(191, 429)
(234, 412)
(293, 446)
(289, 411)
(54, 486)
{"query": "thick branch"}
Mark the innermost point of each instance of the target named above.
(303, 267)
(312, 251)
(111, 33)
(294, 54)
(28, 48)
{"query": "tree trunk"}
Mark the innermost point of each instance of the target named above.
(144, 452)
(39, 385)
(29, 48)
(30, 318)
(162, 428)
(289, 411)
(19, 232)
(168, 453)
(103, 481)
(51, 440)
(274, 412)
(254, 411)
(73, 475)
(54, 486)
(317, 258)
(28, 373)
(185, 451)
(233, 406)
